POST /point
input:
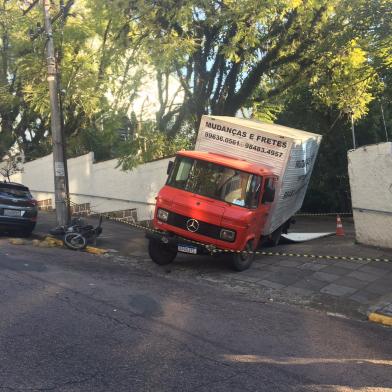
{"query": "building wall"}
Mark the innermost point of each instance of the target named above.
(104, 186)
(370, 172)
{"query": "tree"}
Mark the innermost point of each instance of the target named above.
(213, 56)
(148, 144)
(100, 73)
(11, 164)
(228, 55)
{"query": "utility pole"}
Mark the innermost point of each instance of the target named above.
(383, 121)
(352, 129)
(60, 95)
(60, 179)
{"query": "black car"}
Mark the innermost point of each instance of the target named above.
(18, 209)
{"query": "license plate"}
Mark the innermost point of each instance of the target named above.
(187, 249)
(12, 213)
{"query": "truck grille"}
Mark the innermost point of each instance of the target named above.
(205, 228)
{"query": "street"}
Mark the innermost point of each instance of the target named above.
(78, 322)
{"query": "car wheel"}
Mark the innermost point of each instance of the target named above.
(161, 253)
(242, 261)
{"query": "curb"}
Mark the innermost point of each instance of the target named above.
(380, 318)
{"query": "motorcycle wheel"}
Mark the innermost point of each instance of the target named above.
(75, 241)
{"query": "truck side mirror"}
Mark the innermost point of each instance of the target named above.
(169, 167)
(269, 195)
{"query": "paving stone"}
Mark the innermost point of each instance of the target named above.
(290, 263)
(312, 266)
(364, 297)
(381, 286)
(351, 282)
(261, 267)
(333, 269)
(323, 261)
(372, 270)
(286, 278)
(381, 264)
(299, 291)
(337, 290)
(310, 284)
(276, 268)
(271, 285)
(350, 265)
(365, 276)
(267, 260)
(324, 276)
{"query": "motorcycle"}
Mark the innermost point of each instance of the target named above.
(78, 235)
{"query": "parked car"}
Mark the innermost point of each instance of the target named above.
(18, 209)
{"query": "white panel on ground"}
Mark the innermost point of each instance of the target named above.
(302, 237)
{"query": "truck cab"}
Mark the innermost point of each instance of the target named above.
(215, 200)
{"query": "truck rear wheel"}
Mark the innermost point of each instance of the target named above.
(242, 261)
(161, 253)
(274, 237)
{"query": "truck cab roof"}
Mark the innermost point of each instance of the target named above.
(224, 160)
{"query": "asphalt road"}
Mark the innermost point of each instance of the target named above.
(77, 322)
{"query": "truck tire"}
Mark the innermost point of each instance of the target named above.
(274, 237)
(161, 253)
(242, 261)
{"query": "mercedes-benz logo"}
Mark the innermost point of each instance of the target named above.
(192, 225)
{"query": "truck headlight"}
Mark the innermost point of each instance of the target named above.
(162, 215)
(227, 235)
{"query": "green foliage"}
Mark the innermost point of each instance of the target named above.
(231, 55)
(100, 74)
(348, 81)
(149, 144)
(329, 189)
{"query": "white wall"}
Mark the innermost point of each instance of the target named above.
(370, 172)
(100, 184)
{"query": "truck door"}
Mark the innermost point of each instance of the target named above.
(264, 197)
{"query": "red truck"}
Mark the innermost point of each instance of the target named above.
(238, 190)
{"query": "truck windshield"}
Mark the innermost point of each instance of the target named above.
(216, 181)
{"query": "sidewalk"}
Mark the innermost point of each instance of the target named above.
(348, 287)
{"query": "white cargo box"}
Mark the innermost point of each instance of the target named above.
(289, 153)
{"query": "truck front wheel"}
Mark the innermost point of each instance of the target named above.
(161, 253)
(242, 261)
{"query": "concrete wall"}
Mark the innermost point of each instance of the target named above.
(104, 186)
(370, 172)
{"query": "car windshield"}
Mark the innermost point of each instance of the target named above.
(216, 181)
(14, 192)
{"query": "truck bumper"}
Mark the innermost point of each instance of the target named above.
(179, 243)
